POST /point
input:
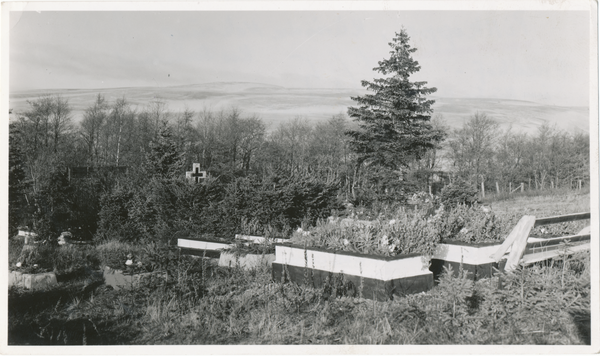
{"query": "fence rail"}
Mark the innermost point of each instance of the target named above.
(528, 252)
(561, 218)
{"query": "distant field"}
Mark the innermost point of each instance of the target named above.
(276, 104)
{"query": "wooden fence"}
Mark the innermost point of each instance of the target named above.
(526, 250)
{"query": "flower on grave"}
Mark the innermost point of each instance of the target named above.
(35, 265)
(346, 242)
(129, 261)
(544, 231)
(139, 264)
(392, 222)
(392, 247)
(305, 233)
(384, 240)
(18, 264)
(299, 229)
(464, 230)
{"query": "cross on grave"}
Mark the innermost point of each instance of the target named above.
(196, 174)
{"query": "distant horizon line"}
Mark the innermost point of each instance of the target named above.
(23, 91)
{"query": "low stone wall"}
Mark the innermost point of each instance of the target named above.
(35, 281)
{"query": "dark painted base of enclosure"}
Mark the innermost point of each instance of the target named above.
(200, 253)
(371, 288)
(476, 272)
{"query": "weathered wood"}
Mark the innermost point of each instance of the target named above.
(545, 255)
(561, 218)
(558, 240)
(520, 230)
(519, 243)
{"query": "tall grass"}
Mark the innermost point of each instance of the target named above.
(547, 303)
(542, 304)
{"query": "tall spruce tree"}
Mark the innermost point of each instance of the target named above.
(394, 121)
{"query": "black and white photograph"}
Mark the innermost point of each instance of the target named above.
(301, 177)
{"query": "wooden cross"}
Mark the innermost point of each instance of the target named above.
(196, 174)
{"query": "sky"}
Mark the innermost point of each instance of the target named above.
(539, 56)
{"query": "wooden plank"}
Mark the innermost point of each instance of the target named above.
(521, 229)
(542, 256)
(561, 218)
(558, 240)
(520, 242)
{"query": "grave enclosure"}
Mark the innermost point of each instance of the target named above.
(381, 277)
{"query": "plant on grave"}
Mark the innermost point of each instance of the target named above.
(409, 232)
(114, 254)
(243, 248)
(471, 224)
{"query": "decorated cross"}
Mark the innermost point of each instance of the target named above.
(196, 174)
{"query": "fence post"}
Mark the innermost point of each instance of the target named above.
(522, 187)
(509, 187)
(497, 188)
(482, 190)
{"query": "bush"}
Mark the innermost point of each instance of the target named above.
(459, 192)
(60, 259)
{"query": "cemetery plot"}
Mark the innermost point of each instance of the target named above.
(196, 174)
(371, 276)
(200, 247)
(247, 261)
(121, 279)
(32, 281)
(474, 258)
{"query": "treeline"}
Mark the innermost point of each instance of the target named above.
(297, 172)
(481, 151)
(275, 179)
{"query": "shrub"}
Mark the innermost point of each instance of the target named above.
(60, 259)
(409, 232)
(459, 192)
(114, 254)
(471, 224)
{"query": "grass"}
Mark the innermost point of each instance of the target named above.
(246, 307)
(547, 303)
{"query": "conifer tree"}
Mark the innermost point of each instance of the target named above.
(164, 159)
(394, 121)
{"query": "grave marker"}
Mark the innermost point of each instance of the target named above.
(196, 174)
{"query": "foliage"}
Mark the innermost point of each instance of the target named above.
(17, 180)
(547, 159)
(546, 304)
(242, 248)
(47, 257)
(164, 160)
(394, 120)
(459, 192)
(471, 224)
(114, 254)
(408, 230)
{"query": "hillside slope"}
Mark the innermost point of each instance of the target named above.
(275, 104)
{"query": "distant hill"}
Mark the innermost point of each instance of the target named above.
(275, 104)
